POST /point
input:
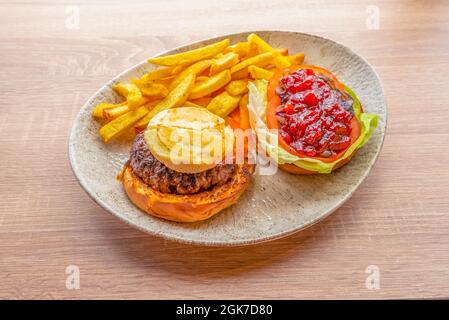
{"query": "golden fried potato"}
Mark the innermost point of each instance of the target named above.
(122, 108)
(177, 69)
(125, 89)
(223, 104)
(283, 51)
(115, 112)
(165, 81)
(224, 62)
(192, 104)
(253, 50)
(260, 60)
(212, 84)
(240, 48)
(97, 112)
(296, 59)
(191, 56)
(237, 87)
(131, 92)
(175, 98)
(240, 75)
(260, 73)
(279, 60)
(201, 79)
(161, 73)
(122, 123)
(203, 101)
(154, 90)
(194, 69)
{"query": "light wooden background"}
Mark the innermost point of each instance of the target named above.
(398, 220)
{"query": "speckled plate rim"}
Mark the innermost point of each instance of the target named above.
(307, 224)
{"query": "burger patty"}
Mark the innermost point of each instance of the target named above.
(155, 174)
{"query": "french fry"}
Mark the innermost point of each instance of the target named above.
(201, 78)
(161, 73)
(252, 50)
(192, 104)
(122, 108)
(122, 123)
(280, 61)
(260, 73)
(244, 113)
(154, 90)
(223, 104)
(177, 69)
(217, 92)
(224, 62)
(131, 92)
(194, 69)
(137, 103)
(143, 100)
(165, 81)
(260, 59)
(204, 101)
(97, 113)
(241, 74)
(175, 98)
(240, 48)
(191, 56)
(212, 84)
(237, 87)
(115, 112)
(150, 105)
(125, 89)
(296, 59)
(283, 51)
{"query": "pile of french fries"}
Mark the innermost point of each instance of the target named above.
(214, 77)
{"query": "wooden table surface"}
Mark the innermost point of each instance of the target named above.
(54, 55)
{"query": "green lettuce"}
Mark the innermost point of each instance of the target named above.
(257, 105)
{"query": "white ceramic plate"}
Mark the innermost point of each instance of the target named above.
(273, 206)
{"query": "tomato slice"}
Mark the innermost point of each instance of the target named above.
(274, 101)
(234, 124)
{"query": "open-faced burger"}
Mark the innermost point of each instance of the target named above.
(170, 176)
(319, 121)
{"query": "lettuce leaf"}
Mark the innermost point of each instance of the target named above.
(257, 105)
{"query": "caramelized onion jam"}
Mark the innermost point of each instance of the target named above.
(314, 117)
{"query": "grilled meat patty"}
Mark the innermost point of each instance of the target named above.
(155, 174)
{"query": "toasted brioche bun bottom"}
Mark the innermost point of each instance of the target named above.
(291, 168)
(186, 208)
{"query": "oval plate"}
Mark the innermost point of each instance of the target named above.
(273, 206)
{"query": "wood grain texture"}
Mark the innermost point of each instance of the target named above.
(397, 220)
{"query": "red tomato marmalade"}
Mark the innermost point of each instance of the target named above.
(314, 117)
